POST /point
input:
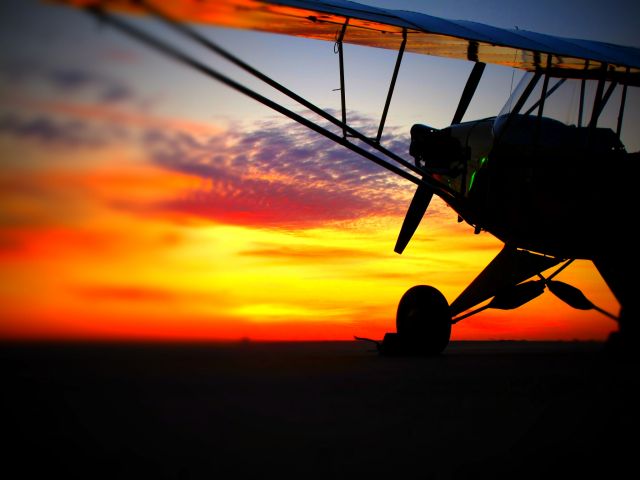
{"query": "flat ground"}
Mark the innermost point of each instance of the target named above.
(318, 410)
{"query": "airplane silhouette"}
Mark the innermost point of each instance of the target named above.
(553, 191)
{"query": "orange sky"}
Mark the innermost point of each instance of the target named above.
(103, 237)
(138, 201)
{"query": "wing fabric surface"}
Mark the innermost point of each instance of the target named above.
(383, 28)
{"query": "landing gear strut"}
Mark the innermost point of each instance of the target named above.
(423, 323)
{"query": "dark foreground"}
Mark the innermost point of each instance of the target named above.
(317, 410)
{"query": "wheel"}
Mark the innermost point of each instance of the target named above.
(423, 320)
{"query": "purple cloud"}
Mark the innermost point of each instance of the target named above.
(276, 175)
(57, 132)
(68, 81)
(105, 88)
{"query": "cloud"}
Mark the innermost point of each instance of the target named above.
(67, 81)
(146, 294)
(50, 104)
(106, 89)
(310, 254)
(9, 242)
(277, 174)
(126, 293)
(50, 131)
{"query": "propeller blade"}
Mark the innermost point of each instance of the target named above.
(469, 90)
(417, 208)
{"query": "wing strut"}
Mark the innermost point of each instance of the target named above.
(181, 57)
(582, 87)
(510, 267)
(208, 44)
(343, 100)
(557, 85)
(503, 279)
(598, 97)
(543, 97)
(623, 100)
(392, 86)
(604, 100)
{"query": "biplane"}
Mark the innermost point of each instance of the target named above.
(553, 188)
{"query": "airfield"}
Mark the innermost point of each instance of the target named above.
(318, 410)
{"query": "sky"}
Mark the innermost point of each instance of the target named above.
(142, 201)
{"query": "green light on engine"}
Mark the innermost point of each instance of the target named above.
(473, 177)
(481, 162)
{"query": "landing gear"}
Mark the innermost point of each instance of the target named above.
(423, 323)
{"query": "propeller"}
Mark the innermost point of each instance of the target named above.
(424, 194)
(422, 197)
(417, 208)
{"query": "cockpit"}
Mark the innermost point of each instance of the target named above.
(546, 124)
(559, 113)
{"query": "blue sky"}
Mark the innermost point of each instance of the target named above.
(427, 91)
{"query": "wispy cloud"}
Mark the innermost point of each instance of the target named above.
(106, 89)
(274, 173)
(126, 293)
(59, 132)
(277, 174)
(66, 81)
(307, 254)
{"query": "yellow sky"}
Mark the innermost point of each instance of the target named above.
(86, 253)
(122, 216)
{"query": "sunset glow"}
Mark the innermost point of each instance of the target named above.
(124, 221)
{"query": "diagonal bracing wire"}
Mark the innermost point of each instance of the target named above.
(183, 58)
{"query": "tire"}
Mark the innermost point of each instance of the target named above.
(423, 320)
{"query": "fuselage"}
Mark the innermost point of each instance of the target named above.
(535, 183)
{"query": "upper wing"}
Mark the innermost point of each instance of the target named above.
(383, 28)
